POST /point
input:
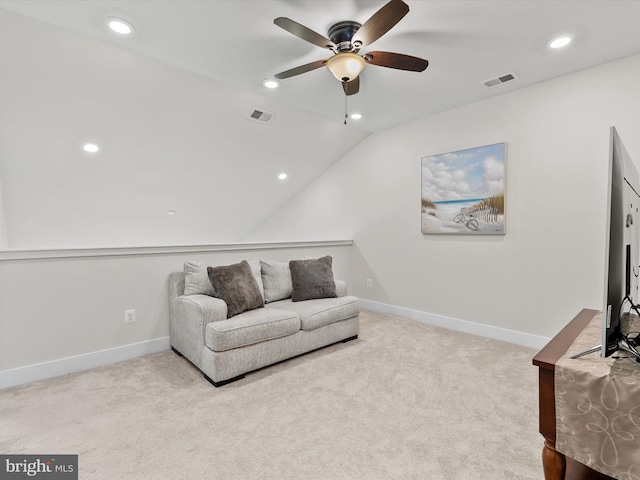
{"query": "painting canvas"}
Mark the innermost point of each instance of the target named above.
(463, 192)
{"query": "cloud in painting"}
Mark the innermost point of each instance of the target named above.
(493, 180)
(467, 174)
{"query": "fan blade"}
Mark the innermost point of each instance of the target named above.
(396, 60)
(352, 87)
(304, 33)
(301, 69)
(380, 23)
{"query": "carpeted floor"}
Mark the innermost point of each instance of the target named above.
(404, 401)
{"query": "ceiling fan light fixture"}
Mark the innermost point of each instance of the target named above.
(346, 66)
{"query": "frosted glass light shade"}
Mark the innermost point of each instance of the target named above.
(346, 66)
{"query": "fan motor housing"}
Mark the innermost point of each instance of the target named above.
(341, 34)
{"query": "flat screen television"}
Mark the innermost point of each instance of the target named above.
(622, 249)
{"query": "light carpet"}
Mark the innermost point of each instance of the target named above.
(406, 400)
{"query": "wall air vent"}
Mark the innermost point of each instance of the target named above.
(260, 115)
(501, 79)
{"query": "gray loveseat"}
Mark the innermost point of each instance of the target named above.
(224, 349)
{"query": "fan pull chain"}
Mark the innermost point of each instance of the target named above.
(346, 115)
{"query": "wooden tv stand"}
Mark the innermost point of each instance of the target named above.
(555, 465)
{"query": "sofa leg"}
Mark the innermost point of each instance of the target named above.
(355, 337)
(177, 352)
(222, 382)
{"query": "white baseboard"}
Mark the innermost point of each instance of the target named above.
(497, 333)
(63, 366)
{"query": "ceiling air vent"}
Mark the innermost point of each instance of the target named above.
(501, 79)
(261, 116)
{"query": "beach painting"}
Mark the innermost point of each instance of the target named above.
(463, 192)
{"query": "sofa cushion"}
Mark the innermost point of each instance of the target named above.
(251, 327)
(276, 278)
(236, 286)
(196, 278)
(319, 312)
(312, 279)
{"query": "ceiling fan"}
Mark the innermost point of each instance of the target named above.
(345, 41)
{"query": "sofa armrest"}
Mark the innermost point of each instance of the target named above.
(199, 309)
(341, 288)
(189, 316)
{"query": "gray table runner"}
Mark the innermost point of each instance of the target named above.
(598, 406)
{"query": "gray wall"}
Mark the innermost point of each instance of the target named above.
(4, 238)
(533, 280)
(550, 263)
(59, 307)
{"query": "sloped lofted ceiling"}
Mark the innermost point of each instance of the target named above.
(169, 104)
(171, 140)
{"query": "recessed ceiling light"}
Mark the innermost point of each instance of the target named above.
(356, 116)
(91, 147)
(119, 26)
(561, 41)
(270, 83)
(282, 176)
(171, 212)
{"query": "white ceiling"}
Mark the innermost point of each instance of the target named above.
(465, 41)
(169, 105)
(171, 140)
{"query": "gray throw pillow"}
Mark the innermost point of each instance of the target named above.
(256, 271)
(196, 278)
(276, 279)
(236, 286)
(312, 279)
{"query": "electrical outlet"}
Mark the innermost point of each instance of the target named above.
(369, 283)
(130, 316)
